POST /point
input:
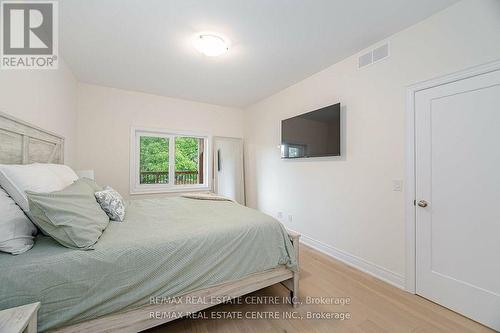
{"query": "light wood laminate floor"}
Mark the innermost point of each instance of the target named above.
(375, 306)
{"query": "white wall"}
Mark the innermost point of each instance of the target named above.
(45, 98)
(348, 205)
(105, 116)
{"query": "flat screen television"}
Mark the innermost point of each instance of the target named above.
(312, 134)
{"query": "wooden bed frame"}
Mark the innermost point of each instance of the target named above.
(22, 143)
(143, 317)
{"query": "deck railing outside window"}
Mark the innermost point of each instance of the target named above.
(161, 177)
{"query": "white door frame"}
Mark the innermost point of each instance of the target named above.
(410, 208)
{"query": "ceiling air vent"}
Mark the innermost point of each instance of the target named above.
(373, 56)
(365, 60)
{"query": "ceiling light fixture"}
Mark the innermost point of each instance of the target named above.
(210, 44)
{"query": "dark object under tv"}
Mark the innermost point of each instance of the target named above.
(312, 134)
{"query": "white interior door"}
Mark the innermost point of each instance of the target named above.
(228, 168)
(457, 136)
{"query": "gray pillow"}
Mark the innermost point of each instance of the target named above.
(16, 231)
(90, 182)
(112, 203)
(71, 216)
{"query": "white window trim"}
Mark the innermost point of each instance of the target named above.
(137, 188)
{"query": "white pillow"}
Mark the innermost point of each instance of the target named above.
(16, 179)
(64, 172)
(16, 231)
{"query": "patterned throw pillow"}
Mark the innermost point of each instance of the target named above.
(112, 203)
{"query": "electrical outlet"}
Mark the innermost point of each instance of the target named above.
(397, 185)
(279, 215)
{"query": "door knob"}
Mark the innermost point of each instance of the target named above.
(422, 203)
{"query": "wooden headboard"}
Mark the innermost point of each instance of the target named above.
(23, 143)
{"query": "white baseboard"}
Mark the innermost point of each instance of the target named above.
(363, 265)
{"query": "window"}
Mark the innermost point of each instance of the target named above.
(166, 161)
(153, 161)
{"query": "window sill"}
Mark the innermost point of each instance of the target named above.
(176, 189)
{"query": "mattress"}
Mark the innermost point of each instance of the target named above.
(164, 248)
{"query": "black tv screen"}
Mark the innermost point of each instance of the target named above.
(312, 134)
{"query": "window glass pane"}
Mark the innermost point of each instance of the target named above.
(153, 160)
(189, 160)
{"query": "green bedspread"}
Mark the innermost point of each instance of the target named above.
(165, 247)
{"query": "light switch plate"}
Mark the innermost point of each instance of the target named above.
(397, 185)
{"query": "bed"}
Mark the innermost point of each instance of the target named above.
(202, 250)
